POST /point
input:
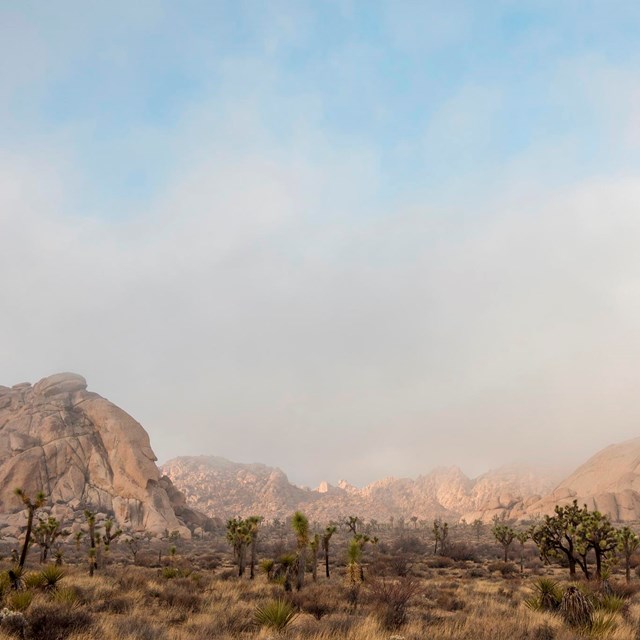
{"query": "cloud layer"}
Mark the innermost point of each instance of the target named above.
(249, 278)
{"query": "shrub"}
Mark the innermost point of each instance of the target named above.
(52, 622)
(275, 614)
(439, 562)
(180, 598)
(547, 595)
(391, 598)
(505, 568)
(13, 622)
(66, 596)
(20, 600)
(33, 580)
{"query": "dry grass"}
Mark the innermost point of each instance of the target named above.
(406, 595)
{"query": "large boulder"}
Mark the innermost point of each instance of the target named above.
(82, 451)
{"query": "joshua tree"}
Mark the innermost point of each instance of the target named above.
(414, 519)
(522, 537)
(134, 546)
(238, 535)
(31, 506)
(300, 525)
(597, 533)
(314, 545)
(326, 539)
(440, 532)
(91, 522)
(354, 556)
(628, 542)
(476, 525)
(352, 524)
(572, 532)
(253, 523)
(45, 534)
(108, 537)
(504, 534)
(78, 538)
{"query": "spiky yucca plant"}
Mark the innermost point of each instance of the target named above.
(50, 576)
(576, 608)
(547, 595)
(275, 614)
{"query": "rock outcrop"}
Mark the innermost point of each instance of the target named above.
(608, 482)
(82, 451)
(227, 489)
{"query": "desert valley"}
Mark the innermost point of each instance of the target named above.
(319, 320)
(202, 547)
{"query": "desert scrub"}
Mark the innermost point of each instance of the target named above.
(276, 615)
(576, 608)
(390, 600)
(19, 600)
(50, 577)
(547, 595)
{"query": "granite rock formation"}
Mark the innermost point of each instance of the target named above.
(226, 489)
(82, 451)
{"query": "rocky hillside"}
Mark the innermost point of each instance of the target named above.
(83, 452)
(608, 482)
(226, 489)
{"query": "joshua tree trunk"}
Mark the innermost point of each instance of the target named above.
(326, 561)
(27, 537)
(254, 544)
(314, 569)
(302, 565)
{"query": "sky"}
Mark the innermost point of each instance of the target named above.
(348, 239)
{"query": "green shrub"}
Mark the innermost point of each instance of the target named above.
(50, 576)
(275, 614)
(547, 595)
(66, 596)
(20, 600)
(33, 580)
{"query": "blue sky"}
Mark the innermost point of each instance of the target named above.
(438, 93)
(415, 218)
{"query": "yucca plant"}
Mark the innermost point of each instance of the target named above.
(51, 575)
(576, 608)
(267, 566)
(276, 615)
(547, 595)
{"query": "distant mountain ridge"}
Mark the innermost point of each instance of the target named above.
(224, 489)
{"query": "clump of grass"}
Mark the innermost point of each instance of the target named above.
(603, 624)
(276, 615)
(33, 580)
(20, 600)
(66, 596)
